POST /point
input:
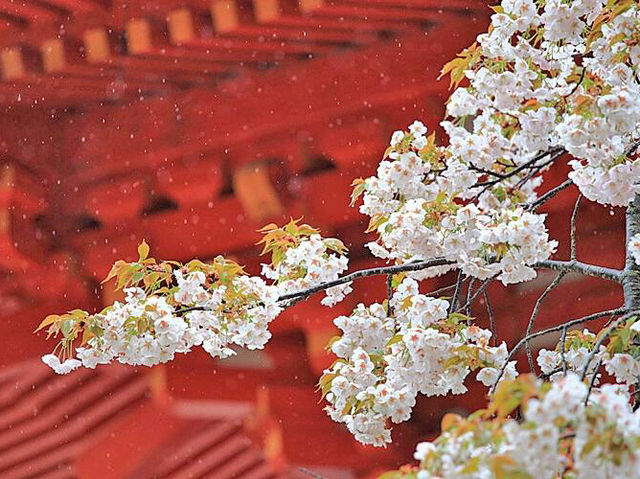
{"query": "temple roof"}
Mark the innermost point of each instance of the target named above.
(60, 426)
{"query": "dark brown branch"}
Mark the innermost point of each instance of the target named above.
(555, 153)
(456, 292)
(578, 83)
(469, 296)
(479, 291)
(593, 381)
(566, 266)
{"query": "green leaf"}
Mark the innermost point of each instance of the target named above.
(67, 326)
(325, 383)
(504, 467)
(336, 245)
(472, 465)
(397, 475)
(359, 186)
(375, 222)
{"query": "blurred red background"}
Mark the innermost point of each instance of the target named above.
(192, 123)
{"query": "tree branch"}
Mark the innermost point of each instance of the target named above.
(389, 294)
(593, 381)
(469, 296)
(456, 292)
(574, 266)
(415, 266)
(631, 274)
(568, 324)
(560, 266)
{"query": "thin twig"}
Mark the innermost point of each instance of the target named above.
(492, 321)
(389, 294)
(415, 266)
(456, 292)
(310, 473)
(554, 152)
(534, 316)
(469, 293)
(478, 292)
(484, 171)
(575, 87)
(441, 290)
(593, 380)
(563, 342)
(538, 169)
(574, 217)
(547, 376)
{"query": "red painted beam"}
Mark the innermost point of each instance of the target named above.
(302, 35)
(365, 11)
(279, 48)
(28, 11)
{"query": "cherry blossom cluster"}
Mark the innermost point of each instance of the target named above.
(554, 74)
(620, 357)
(385, 360)
(572, 355)
(150, 329)
(308, 264)
(170, 308)
(415, 206)
(558, 435)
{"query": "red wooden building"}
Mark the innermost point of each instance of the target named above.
(191, 123)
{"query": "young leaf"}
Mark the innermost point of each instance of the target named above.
(359, 187)
(52, 318)
(143, 251)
